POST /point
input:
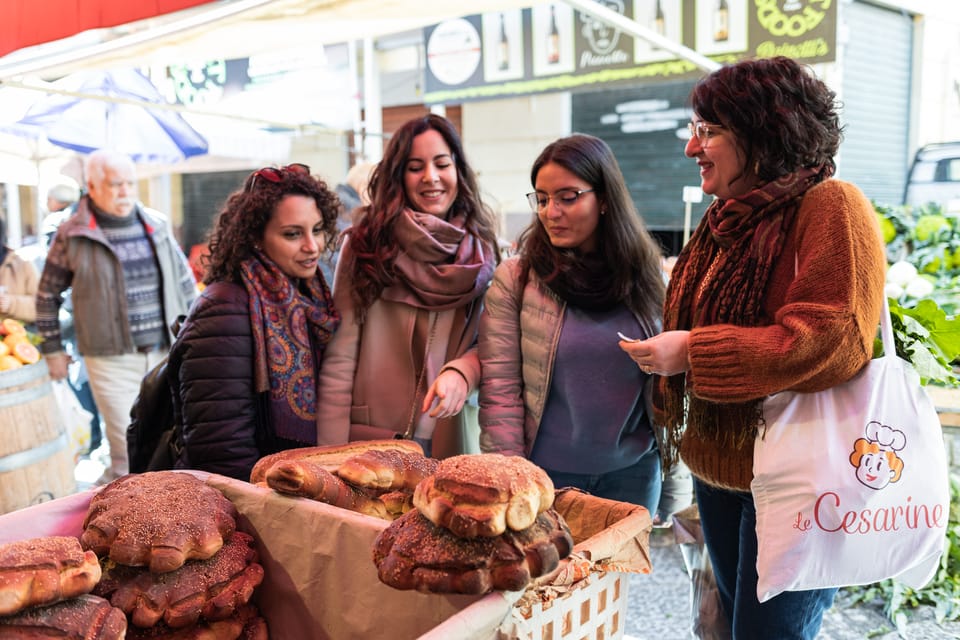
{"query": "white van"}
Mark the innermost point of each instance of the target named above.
(935, 177)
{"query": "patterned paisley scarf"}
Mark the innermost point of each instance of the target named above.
(291, 329)
(440, 265)
(721, 277)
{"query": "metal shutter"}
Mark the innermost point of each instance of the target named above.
(876, 65)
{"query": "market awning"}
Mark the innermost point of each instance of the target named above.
(239, 28)
(30, 22)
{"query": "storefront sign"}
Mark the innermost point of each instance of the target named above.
(553, 47)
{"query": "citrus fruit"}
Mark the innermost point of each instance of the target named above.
(9, 362)
(15, 338)
(4, 349)
(10, 326)
(26, 353)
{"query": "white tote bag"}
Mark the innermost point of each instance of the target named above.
(851, 483)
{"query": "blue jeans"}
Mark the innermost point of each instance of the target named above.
(636, 484)
(729, 522)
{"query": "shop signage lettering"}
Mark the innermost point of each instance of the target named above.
(553, 47)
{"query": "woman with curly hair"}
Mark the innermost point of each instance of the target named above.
(556, 388)
(244, 366)
(780, 287)
(410, 285)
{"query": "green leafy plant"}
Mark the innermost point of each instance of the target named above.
(927, 338)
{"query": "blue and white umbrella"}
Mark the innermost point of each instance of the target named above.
(111, 110)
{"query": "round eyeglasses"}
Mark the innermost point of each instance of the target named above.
(563, 198)
(702, 131)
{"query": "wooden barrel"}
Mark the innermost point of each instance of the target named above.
(36, 464)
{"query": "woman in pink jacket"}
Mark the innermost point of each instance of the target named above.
(409, 286)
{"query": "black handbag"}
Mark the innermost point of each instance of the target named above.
(152, 435)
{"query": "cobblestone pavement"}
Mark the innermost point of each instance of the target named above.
(659, 609)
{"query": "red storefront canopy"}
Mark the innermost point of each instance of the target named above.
(30, 22)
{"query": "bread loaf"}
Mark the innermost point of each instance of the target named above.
(85, 617)
(413, 553)
(330, 457)
(43, 571)
(307, 479)
(484, 494)
(387, 469)
(158, 519)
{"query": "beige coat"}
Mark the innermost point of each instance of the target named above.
(369, 373)
(20, 278)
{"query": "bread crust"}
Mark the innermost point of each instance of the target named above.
(387, 469)
(413, 553)
(330, 457)
(484, 495)
(158, 519)
(85, 617)
(41, 571)
(211, 589)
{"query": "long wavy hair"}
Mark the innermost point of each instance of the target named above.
(241, 223)
(630, 252)
(782, 117)
(372, 241)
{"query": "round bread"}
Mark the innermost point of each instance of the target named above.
(41, 571)
(413, 553)
(159, 519)
(484, 495)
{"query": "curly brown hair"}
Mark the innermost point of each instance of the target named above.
(371, 238)
(241, 223)
(782, 116)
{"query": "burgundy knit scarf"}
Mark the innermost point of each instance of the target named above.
(291, 329)
(721, 277)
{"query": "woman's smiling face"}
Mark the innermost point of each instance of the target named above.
(720, 161)
(430, 175)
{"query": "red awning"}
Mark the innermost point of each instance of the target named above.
(30, 22)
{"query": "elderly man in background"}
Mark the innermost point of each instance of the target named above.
(130, 281)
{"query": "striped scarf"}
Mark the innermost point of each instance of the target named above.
(721, 278)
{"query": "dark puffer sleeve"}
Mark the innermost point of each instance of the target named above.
(212, 365)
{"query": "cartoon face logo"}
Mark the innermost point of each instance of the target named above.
(601, 36)
(875, 456)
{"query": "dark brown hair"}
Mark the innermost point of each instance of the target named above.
(630, 252)
(782, 116)
(371, 238)
(241, 224)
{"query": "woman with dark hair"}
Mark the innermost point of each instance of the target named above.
(244, 366)
(18, 283)
(556, 388)
(780, 287)
(410, 284)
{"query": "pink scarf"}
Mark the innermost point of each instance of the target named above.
(440, 265)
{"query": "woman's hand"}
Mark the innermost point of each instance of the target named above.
(447, 394)
(664, 354)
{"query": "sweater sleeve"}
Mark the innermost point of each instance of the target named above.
(823, 306)
(335, 381)
(213, 357)
(501, 383)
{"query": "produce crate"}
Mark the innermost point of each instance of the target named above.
(320, 581)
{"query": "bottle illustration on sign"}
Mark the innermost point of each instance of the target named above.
(721, 22)
(658, 22)
(503, 48)
(553, 38)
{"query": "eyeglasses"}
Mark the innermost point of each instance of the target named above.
(563, 198)
(703, 131)
(275, 174)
